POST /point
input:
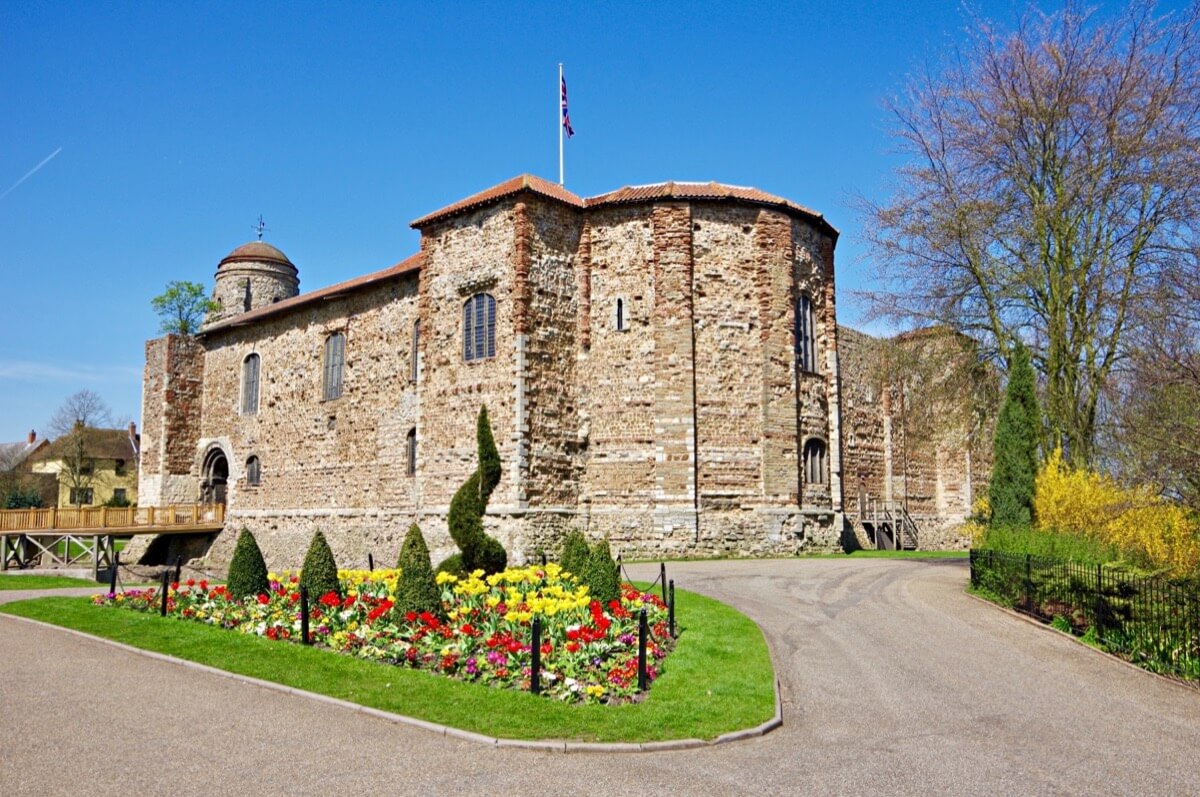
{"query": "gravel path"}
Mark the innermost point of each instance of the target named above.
(894, 683)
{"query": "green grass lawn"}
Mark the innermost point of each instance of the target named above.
(10, 581)
(718, 679)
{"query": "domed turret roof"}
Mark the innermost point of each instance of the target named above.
(257, 251)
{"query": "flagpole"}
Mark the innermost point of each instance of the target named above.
(560, 125)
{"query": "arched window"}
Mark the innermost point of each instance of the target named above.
(814, 462)
(620, 316)
(479, 327)
(250, 384)
(806, 334)
(253, 471)
(411, 448)
(416, 351)
(335, 360)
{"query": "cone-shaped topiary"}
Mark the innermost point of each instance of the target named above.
(417, 590)
(320, 569)
(247, 570)
(600, 574)
(478, 550)
(1014, 447)
(574, 553)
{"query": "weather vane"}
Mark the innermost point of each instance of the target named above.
(260, 227)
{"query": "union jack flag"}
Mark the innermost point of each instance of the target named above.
(566, 117)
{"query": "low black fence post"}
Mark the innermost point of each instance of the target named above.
(544, 562)
(662, 576)
(178, 568)
(166, 584)
(304, 638)
(1099, 607)
(671, 609)
(642, 650)
(535, 669)
(1028, 580)
(112, 577)
(371, 562)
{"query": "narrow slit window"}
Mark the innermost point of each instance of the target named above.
(806, 334)
(253, 471)
(335, 361)
(415, 356)
(250, 374)
(411, 445)
(620, 318)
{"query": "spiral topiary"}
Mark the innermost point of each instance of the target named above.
(477, 551)
(417, 590)
(319, 573)
(247, 570)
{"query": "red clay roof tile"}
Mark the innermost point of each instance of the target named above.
(524, 182)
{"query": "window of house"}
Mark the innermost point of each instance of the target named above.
(253, 471)
(81, 496)
(250, 384)
(479, 327)
(87, 467)
(621, 323)
(411, 446)
(119, 495)
(119, 467)
(416, 351)
(806, 334)
(814, 462)
(335, 361)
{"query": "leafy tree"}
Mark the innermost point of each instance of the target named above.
(574, 553)
(319, 573)
(1015, 458)
(182, 307)
(417, 590)
(477, 550)
(247, 570)
(1052, 179)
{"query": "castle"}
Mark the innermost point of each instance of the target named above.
(660, 365)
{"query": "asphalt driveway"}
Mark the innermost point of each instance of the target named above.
(894, 683)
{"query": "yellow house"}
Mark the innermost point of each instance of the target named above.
(93, 467)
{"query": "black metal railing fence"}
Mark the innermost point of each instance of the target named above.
(1148, 619)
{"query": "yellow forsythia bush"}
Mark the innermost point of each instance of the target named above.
(1135, 520)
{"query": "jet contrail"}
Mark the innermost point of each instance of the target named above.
(31, 172)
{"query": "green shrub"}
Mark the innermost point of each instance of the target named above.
(574, 554)
(417, 589)
(478, 551)
(117, 502)
(600, 574)
(247, 570)
(319, 573)
(1014, 447)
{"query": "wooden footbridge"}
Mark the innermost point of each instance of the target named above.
(72, 537)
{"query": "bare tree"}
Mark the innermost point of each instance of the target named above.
(1052, 179)
(75, 423)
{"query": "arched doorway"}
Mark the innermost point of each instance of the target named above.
(215, 477)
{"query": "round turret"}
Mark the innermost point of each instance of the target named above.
(253, 275)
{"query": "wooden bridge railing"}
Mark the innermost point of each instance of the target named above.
(128, 520)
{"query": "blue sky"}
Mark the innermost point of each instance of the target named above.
(340, 123)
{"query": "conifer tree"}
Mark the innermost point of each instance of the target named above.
(247, 570)
(417, 590)
(574, 553)
(600, 574)
(1015, 456)
(319, 573)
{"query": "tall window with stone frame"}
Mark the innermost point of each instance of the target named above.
(250, 380)
(814, 462)
(806, 334)
(410, 465)
(335, 362)
(416, 351)
(479, 327)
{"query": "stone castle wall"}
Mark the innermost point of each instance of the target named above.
(172, 397)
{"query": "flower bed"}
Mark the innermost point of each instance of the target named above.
(588, 652)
